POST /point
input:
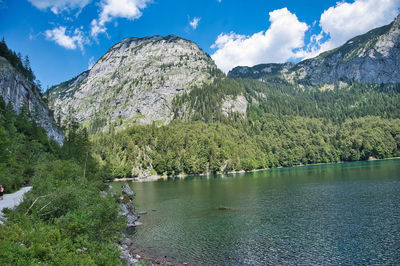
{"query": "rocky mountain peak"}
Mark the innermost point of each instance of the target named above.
(154, 38)
(135, 41)
(134, 82)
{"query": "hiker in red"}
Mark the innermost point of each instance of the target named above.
(1, 192)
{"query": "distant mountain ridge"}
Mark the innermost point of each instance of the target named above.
(373, 57)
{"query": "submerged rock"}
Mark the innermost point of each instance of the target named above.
(225, 208)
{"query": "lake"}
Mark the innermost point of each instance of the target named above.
(346, 213)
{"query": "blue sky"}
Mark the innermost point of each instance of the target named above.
(63, 37)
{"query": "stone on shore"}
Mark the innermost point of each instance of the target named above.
(126, 190)
(138, 223)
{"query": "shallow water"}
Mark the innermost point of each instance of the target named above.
(325, 214)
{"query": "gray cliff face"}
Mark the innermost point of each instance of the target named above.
(373, 57)
(134, 82)
(15, 88)
(236, 104)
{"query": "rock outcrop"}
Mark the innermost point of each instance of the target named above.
(15, 88)
(237, 104)
(134, 82)
(373, 57)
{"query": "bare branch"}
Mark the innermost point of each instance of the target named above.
(34, 202)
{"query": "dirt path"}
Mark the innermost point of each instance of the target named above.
(12, 200)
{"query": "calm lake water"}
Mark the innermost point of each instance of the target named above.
(325, 214)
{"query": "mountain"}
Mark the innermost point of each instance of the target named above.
(373, 57)
(136, 81)
(157, 79)
(17, 89)
(223, 123)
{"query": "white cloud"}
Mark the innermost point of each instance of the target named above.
(57, 6)
(284, 39)
(109, 9)
(91, 62)
(347, 20)
(276, 44)
(130, 9)
(194, 23)
(63, 39)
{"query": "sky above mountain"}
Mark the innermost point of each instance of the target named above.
(65, 37)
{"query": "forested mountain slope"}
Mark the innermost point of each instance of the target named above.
(282, 126)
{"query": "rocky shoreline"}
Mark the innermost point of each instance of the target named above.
(130, 254)
(150, 178)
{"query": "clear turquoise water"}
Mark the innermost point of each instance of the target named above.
(325, 214)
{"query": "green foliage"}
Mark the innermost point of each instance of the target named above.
(29, 241)
(23, 144)
(64, 212)
(271, 141)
